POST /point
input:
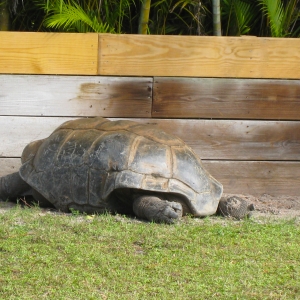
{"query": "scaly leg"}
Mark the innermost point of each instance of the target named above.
(12, 186)
(154, 209)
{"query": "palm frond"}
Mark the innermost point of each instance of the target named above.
(291, 16)
(239, 16)
(72, 17)
(274, 10)
(281, 18)
(245, 14)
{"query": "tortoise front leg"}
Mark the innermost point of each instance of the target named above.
(12, 186)
(154, 209)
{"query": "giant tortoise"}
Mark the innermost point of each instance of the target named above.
(95, 165)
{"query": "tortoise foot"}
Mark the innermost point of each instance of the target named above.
(154, 209)
(235, 207)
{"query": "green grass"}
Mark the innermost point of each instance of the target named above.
(57, 256)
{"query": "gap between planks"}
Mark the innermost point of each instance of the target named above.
(210, 139)
(254, 178)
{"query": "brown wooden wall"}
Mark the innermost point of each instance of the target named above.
(235, 101)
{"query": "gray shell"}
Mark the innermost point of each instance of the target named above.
(83, 161)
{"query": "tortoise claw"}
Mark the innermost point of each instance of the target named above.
(154, 209)
(172, 211)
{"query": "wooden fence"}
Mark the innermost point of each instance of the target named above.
(235, 101)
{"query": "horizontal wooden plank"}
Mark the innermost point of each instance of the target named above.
(9, 165)
(254, 178)
(75, 96)
(198, 56)
(257, 177)
(17, 132)
(210, 139)
(144, 55)
(226, 98)
(48, 53)
(236, 139)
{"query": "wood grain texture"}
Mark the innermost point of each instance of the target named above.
(9, 165)
(17, 132)
(48, 53)
(210, 139)
(236, 139)
(257, 178)
(75, 96)
(226, 98)
(198, 56)
(254, 178)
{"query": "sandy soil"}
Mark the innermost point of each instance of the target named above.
(266, 206)
(286, 207)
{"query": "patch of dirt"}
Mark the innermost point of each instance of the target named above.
(280, 207)
(5, 206)
(265, 206)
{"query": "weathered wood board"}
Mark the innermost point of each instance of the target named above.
(257, 177)
(254, 178)
(236, 139)
(198, 56)
(210, 139)
(9, 165)
(17, 132)
(226, 98)
(75, 96)
(48, 53)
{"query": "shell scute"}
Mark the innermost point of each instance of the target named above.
(110, 151)
(155, 134)
(148, 157)
(188, 169)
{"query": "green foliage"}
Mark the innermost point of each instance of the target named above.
(85, 16)
(239, 16)
(186, 17)
(4, 16)
(65, 256)
(282, 18)
(72, 17)
(27, 16)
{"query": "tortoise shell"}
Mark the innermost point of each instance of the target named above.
(83, 161)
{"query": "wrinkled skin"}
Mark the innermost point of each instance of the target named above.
(154, 209)
(149, 207)
(235, 207)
